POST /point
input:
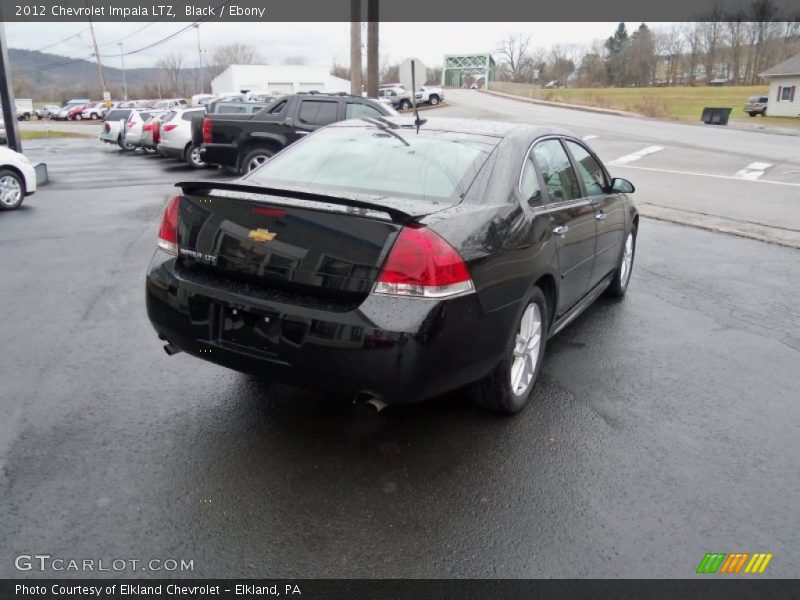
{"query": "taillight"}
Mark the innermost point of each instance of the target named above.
(169, 127)
(206, 131)
(421, 264)
(106, 128)
(156, 133)
(130, 124)
(168, 232)
(147, 127)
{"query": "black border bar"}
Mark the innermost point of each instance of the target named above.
(399, 10)
(702, 587)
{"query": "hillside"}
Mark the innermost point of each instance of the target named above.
(36, 76)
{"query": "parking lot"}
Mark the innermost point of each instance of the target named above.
(663, 427)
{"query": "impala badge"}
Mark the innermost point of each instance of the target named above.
(261, 235)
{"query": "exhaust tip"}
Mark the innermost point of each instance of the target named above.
(171, 350)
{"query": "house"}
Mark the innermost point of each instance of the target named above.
(277, 79)
(784, 81)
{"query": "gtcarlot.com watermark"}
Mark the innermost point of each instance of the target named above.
(48, 563)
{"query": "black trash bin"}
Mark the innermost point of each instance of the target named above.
(715, 116)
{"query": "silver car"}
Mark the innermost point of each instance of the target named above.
(132, 133)
(176, 137)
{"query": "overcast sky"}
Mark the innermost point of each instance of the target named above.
(318, 43)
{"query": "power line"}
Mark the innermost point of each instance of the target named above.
(69, 37)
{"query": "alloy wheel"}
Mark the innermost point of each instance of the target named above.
(196, 158)
(627, 261)
(526, 349)
(257, 161)
(10, 191)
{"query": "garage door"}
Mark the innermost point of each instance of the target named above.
(311, 87)
(281, 88)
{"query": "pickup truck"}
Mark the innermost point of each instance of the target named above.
(428, 94)
(243, 142)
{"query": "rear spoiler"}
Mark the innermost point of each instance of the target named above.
(404, 213)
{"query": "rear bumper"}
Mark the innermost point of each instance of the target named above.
(226, 155)
(400, 349)
(170, 151)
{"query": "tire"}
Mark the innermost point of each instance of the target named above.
(193, 158)
(405, 105)
(433, 99)
(497, 392)
(254, 159)
(79, 117)
(94, 116)
(12, 190)
(27, 117)
(764, 113)
(752, 114)
(622, 276)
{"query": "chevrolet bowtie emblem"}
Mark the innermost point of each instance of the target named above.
(261, 235)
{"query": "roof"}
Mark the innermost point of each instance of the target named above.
(790, 66)
(499, 129)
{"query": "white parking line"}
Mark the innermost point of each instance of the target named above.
(753, 171)
(729, 177)
(586, 138)
(629, 158)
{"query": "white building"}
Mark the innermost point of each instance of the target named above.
(277, 79)
(784, 88)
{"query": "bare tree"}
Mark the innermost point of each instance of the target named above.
(223, 57)
(171, 67)
(691, 34)
(295, 60)
(711, 32)
(513, 52)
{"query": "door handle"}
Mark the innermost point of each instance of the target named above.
(561, 230)
(601, 216)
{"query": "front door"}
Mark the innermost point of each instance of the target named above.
(573, 222)
(609, 211)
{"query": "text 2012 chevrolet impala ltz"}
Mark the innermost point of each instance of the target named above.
(377, 260)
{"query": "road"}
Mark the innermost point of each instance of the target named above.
(745, 182)
(663, 427)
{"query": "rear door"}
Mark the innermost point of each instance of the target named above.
(313, 113)
(573, 221)
(609, 210)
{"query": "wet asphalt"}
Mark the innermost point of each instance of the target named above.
(663, 427)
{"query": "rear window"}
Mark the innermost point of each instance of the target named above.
(188, 114)
(117, 115)
(432, 164)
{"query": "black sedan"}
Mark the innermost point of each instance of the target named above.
(383, 260)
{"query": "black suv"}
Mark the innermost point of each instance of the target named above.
(243, 142)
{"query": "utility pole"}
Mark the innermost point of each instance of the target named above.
(355, 47)
(7, 95)
(198, 77)
(97, 56)
(373, 69)
(124, 77)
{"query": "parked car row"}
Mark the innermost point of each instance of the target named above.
(151, 131)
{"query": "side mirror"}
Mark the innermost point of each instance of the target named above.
(621, 186)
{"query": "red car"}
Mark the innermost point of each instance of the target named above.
(76, 112)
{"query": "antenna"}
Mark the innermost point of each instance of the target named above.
(417, 121)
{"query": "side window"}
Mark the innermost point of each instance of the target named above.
(557, 172)
(529, 183)
(317, 112)
(589, 170)
(278, 108)
(361, 111)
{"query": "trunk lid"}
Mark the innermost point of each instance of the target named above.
(291, 240)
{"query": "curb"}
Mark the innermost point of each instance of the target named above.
(762, 233)
(593, 109)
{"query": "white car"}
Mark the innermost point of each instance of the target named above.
(169, 104)
(428, 94)
(95, 111)
(113, 126)
(176, 137)
(17, 179)
(201, 99)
